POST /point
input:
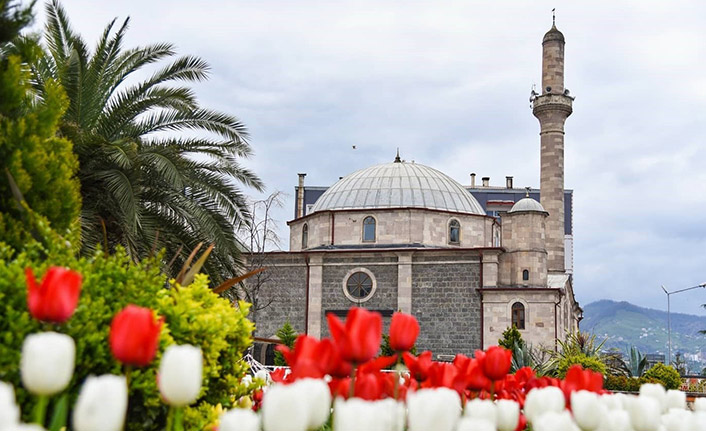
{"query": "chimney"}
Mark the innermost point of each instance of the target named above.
(473, 180)
(300, 196)
(508, 182)
(486, 181)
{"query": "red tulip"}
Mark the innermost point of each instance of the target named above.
(497, 362)
(56, 298)
(404, 330)
(134, 335)
(358, 340)
(578, 379)
(418, 366)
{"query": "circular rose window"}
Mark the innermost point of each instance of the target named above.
(359, 285)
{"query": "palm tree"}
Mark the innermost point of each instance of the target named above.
(157, 170)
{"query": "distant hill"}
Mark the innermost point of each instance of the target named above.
(625, 324)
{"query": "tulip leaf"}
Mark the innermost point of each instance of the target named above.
(60, 414)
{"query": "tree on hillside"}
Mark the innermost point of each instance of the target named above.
(36, 167)
(157, 170)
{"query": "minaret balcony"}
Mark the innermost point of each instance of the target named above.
(552, 102)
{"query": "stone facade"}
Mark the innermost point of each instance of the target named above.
(393, 226)
(443, 288)
(446, 302)
(523, 237)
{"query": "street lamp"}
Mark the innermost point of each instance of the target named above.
(669, 317)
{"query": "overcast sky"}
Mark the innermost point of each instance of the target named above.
(448, 83)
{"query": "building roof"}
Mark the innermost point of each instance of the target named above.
(527, 204)
(398, 185)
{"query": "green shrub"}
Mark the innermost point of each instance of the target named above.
(193, 315)
(287, 335)
(42, 165)
(587, 362)
(626, 384)
(668, 376)
(511, 337)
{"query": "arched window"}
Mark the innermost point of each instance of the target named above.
(369, 228)
(454, 232)
(525, 275)
(305, 235)
(518, 315)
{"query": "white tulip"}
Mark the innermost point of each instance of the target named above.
(700, 405)
(263, 375)
(543, 400)
(284, 409)
(357, 414)
(180, 374)
(438, 409)
(317, 395)
(239, 420)
(554, 421)
(47, 362)
(508, 415)
(9, 412)
(675, 399)
(475, 424)
(698, 421)
(656, 391)
(481, 409)
(588, 410)
(616, 420)
(613, 401)
(246, 380)
(677, 419)
(102, 404)
(645, 413)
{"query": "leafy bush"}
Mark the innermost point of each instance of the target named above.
(668, 376)
(587, 362)
(42, 165)
(626, 384)
(511, 337)
(193, 315)
(287, 335)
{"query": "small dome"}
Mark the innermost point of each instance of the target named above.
(553, 34)
(527, 204)
(398, 185)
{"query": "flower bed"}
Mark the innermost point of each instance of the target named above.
(334, 383)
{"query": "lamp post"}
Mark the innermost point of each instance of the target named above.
(669, 317)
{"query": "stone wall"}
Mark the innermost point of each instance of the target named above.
(539, 315)
(336, 267)
(284, 291)
(393, 226)
(446, 303)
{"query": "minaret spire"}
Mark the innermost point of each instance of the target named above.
(554, 17)
(397, 158)
(552, 107)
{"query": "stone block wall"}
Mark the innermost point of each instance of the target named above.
(285, 291)
(446, 302)
(336, 267)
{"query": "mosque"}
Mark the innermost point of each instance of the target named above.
(466, 261)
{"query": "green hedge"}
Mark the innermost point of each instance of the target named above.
(668, 376)
(194, 315)
(587, 362)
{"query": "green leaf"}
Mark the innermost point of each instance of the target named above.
(60, 413)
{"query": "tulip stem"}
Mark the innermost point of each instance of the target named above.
(170, 420)
(492, 390)
(351, 389)
(178, 419)
(40, 409)
(397, 376)
(128, 371)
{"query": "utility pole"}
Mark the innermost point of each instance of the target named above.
(669, 317)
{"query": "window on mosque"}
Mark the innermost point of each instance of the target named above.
(454, 232)
(525, 275)
(369, 229)
(305, 235)
(359, 286)
(518, 315)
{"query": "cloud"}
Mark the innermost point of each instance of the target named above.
(448, 83)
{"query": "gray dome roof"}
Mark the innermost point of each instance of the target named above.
(398, 185)
(527, 204)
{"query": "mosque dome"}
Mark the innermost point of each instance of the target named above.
(398, 185)
(527, 204)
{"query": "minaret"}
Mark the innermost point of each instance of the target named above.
(551, 108)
